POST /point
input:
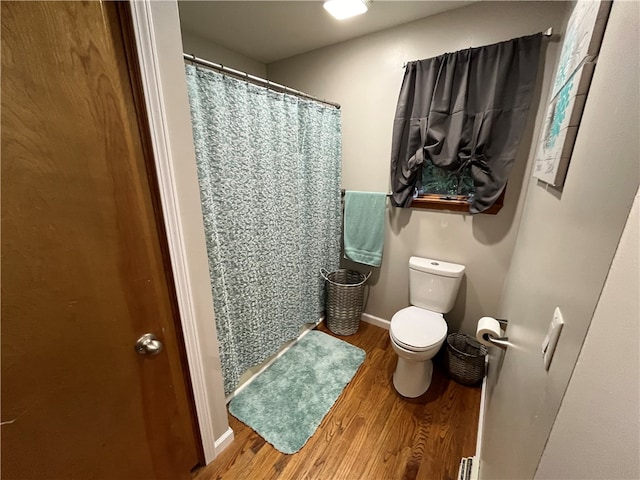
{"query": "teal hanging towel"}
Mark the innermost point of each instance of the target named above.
(364, 226)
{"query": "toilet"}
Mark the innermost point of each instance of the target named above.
(417, 332)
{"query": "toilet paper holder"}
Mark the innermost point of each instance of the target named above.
(502, 342)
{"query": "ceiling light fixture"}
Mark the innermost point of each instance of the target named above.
(342, 9)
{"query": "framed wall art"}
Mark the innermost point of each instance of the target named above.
(578, 57)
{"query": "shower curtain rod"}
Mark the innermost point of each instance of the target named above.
(256, 80)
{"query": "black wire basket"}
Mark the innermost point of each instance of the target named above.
(465, 359)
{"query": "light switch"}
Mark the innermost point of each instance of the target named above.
(551, 340)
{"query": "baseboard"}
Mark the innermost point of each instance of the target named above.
(483, 408)
(223, 441)
(261, 368)
(377, 321)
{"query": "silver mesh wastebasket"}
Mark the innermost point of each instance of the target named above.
(344, 300)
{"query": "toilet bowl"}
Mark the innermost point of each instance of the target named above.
(417, 332)
(416, 336)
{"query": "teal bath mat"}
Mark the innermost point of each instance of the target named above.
(286, 403)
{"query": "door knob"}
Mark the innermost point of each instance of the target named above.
(148, 344)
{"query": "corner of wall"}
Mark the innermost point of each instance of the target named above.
(213, 52)
(157, 32)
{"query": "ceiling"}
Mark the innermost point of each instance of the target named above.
(269, 31)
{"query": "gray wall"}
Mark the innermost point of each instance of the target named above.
(596, 433)
(218, 54)
(565, 246)
(364, 76)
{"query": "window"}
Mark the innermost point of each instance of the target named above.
(461, 107)
(442, 190)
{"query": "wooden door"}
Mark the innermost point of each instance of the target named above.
(84, 266)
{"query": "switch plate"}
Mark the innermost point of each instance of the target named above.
(551, 340)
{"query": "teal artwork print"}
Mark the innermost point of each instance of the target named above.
(559, 114)
(578, 58)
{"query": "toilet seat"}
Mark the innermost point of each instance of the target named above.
(417, 329)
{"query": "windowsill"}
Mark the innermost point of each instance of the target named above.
(453, 204)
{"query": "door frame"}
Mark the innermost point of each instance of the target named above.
(156, 28)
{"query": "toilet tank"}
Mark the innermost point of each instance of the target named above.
(434, 284)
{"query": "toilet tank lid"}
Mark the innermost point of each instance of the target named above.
(436, 267)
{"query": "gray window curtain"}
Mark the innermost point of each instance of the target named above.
(464, 108)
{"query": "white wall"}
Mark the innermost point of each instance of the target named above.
(567, 239)
(597, 431)
(364, 75)
(213, 52)
(565, 246)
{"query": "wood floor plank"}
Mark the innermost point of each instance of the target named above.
(395, 445)
(356, 398)
(359, 438)
(371, 432)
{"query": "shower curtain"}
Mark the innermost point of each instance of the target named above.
(269, 174)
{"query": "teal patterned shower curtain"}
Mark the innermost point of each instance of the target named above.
(269, 172)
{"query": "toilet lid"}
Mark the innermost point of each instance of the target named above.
(418, 329)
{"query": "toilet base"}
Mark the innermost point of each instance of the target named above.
(411, 379)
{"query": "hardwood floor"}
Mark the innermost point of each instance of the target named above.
(371, 432)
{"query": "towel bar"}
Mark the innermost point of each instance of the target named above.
(342, 191)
